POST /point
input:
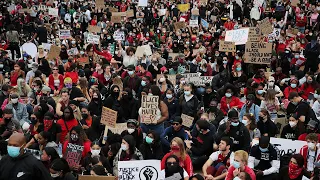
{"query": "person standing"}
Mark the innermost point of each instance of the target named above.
(13, 39)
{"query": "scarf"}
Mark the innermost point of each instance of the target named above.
(294, 171)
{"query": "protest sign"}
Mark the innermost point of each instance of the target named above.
(109, 117)
(83, 60)
(203, 2)
(145, 49)
(64, 34)
(53, 12)
(258, 52)
(295, 3)
(99, 4)
(73, 51)
(84, 177)
(94, 29)
(119, 14)
(129, 13)
(179, 25)
(183, 7)
(254, 34)
(21, 11)
(265, 26)
(196, 79)
(112, 9)
(119, 36)
(119, 128)
(187, 121)
(42, 7)
(149, 108)
(46, 46)
(143, 3)
(93, 38)
(132, 170)
(195, 11)
(204, 23)
(54, 52)
(73, 154)
(193, 23)
(30, 49)
(225, 46)
(116, 19)
(162, 12)
(239, 36)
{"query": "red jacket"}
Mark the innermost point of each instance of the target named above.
(86, 147)
(73, 75)
(307, 89)
(64, 129)
(185, 164)
(51, 82)
(105, 54)
(304, 153)
(303, 136)
(288, 90)
(234, 102)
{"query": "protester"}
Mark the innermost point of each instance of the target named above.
(173, 170)
(240, 164)
(295, 170)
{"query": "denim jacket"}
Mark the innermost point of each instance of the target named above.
(20, 113)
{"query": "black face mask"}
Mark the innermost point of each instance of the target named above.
(33, 121)
(309, 131)
(173, 167)
(84, 116)
(95, 99)
(115, 94)
(7, 120)
(213, 109)
(260, 118)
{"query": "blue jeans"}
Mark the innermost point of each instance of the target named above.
(159, 128)
(301, 29)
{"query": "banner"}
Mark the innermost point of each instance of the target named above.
(239, 36)
(119, 128)
(225, 46)
(204, 23)
(64, 34)
(143, 170)
(258, 53)
(183, 7)
(119, 36)
(109, 117)
(53, 12)
(94, 29)
(149, 108)
(54, 52)
(145, 49)
(93, 38)
(129, 13)
(193, 23)
(73, 154)
(196, 79)
(254, 34)
(116, 19)
(187, 121)
(265, 26)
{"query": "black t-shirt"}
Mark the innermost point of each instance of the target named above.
(42, 34)
(75, 92)
(265, 158)
(303, 110)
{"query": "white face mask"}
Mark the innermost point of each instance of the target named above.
(130, 130)
(95, 152)
(292, 124)
(14, 101)
(311, 145)
(55, 175)
(124, 147)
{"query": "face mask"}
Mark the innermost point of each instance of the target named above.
(172, 167)
(36, 89)
(14, 101)
(293, 85)
(74, 137)
(235, 124)
(143, 83)
(124, 147)
(213, 109)
(7, 120)
(13, 151)
(228, 95)
(292, 124)
(92, 80)
(130, 73)
(187, 93)
(115, 94)
(236, 178)
(175, 148)
(149, 140)
(73, 42)
(33, 121)
(238, 69)
(309, 81)
(296, 56)
(130, 130)
(68, 86)
(245, 122)
(84, 116)
(260, 92)
(34, 69)
(95, 152)
(263, 149)
(236, 164)
(150, 94)
(311, 146)
(225, 62)
(169, 96)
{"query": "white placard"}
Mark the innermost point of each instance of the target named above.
(46, 46)
(193, 23)
(119, 36)
(239, 36)
(139, 169)
(53, 11)
(30, 49)
(93, 39)
(64, 34)
(162, 12)
(143, 3)
(196, 79)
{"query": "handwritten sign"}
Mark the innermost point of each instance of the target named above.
(254, 34)
(83, 60)
(149, 108)
(258, 52)
(225, 46)
(99, 4)
(53, 12)
(183, 7)
(265, 26)
(119, 36)
(162, 12)
(64, 34)
(116, 19)
(172, 78)
(93, 38)
(132, 170)
(196, 79)
(54, 52)
(112, 9)
(193, 23)
(119, 14)
(239, 36)
(94, 29)
(109, 117)
(119, 128)
(187, 121)
(73, 154)
(129, 13)
(145, 49)
(179, 25)
(143, 3)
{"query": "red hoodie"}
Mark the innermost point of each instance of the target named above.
(185, 164)
(105, 54)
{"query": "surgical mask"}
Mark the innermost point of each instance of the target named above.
(309, 81)
(236, 178)
(263, 149)
(30, 61)
(238, 69)
(143, 83)
(311, 145)
(130, 130)
(13, 151)
(149, 140)
(130, 73)
(73, 42)
(245, 122)
(235, 124)
(228, 95)
(124, 147)
(14, 101)
(236, 164)
(225, 62)
(296, 56)
(293, 85)
(292, 124)
(55, 175)
(169, 96)
(316, 96)
(187, 93)
(237, 57)
(95, 152)
(260, 92)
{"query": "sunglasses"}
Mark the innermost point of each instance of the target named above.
(55, 69)
(175, 124)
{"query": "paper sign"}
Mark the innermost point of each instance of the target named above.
(129, 13)
(119, 14)
(276, 32)
(53, 12)
(145, 49)
(162, 12)
(225, 46)
(30, 49)
(239, 36)
(82, 177)
(64, 34)
(93, 38)
(112, 9)
(109, 117)
(143, 3)
(254, 34)
(120, 127)
(21, 11)
(132, 170)
(187, 121)
(203, 2)
(265, 26)
(204, 23)
(193, 23)
(46, 46)
(116, 19)
(196, 79)
(73, 51)
(149, 108)
(54, 52)
(119, 36)
(83, 60)
(94, 29)
(195, 11)
(258, 53)
(73, 154)
(183, 7)
(179, 25)
(100, 4)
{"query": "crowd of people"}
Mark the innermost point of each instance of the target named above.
(49, 101)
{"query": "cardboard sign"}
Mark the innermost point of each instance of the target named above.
(83, 60)
(119, 36)
(258, 53)
(54, 52)
(120, 127)
(119, 14)
(129, 13)
(183, 7)
(133, 170)
(195, 12)
(187, 121)
(265, 26)
(112, 9)
(53, 12)
(295, 3)
(203, 2)
(95, 39)
(196, 79)
(64, 34)
(254, 34)
(193, 23)
(225, 46)
(179, 25)
(239, 36)
(172, 78)
(73, 154)
(204, 23)
(94, 29)
(116, 19)
(149, 108)
(21, 11)
(82, 177)
(109, 117)
(145, 49)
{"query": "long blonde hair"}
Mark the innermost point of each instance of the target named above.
(180, 143)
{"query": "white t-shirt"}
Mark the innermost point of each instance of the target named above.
(162, 175)
(215, 156)
(310, 161)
